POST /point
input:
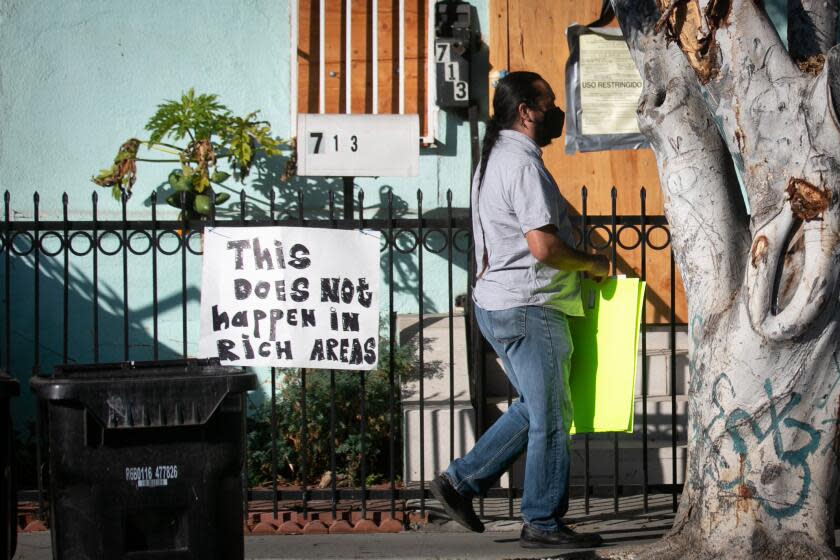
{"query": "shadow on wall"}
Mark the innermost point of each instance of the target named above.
(268, 175)
(384, 204)
(313, 195)
(23, 358)
(406, 266)
(46, 312)
(96, 303)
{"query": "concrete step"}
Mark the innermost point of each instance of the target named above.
(658, 360)
(439, 446)
(435, 420)
(438, 370)
(631, 467)
(660, 452)
(439, 378)
(439, 375)
(660, 458)
(659, 424)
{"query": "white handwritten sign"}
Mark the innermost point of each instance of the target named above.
(290, 297)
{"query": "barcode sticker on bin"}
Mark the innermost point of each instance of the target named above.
(152, 483)
(151, 477)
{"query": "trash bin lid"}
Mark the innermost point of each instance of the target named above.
(146, 394)
(9, 386)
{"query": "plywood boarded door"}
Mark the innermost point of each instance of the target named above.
(531, 35)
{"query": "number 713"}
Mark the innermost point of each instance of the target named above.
(319, 146)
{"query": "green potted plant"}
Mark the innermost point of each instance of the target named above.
(211, 134)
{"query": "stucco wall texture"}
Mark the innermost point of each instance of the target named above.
(79, 77)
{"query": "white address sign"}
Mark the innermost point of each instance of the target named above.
(335, 145)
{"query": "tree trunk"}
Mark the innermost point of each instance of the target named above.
(720, 93)
(812, 28)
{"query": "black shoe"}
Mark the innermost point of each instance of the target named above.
(458, 507)
(531, 537)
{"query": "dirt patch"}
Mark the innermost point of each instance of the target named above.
(759, 250)
(771, 472)
(694, 29)
(807, 201)
(812, 65)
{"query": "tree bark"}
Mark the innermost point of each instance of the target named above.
(812, 28)
(763, 289)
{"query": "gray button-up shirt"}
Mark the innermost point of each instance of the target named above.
(517, 196)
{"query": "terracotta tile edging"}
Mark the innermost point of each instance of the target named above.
(289, 528)
(264, 528)
(341, 527)
(391, 525)
(315, 528)
(365, 526)
(290, 522)
(34, 527)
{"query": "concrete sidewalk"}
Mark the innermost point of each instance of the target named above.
(408, 545)
(441, 538)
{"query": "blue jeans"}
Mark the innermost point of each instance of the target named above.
(535, 347)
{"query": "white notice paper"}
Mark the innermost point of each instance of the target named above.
(610, 86)
(290, 297)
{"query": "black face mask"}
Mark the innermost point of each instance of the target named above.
(550, 127)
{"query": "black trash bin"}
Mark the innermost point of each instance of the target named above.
(9, 388)
(146, 459)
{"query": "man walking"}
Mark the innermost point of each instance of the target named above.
(527, 285)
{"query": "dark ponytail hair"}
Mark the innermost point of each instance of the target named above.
(513, 89)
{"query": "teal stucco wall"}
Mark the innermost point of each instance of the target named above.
(79, 77)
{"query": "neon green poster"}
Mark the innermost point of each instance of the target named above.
(606, 340)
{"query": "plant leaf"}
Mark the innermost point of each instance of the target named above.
(197, 115)
(180, 182)
(220, 177)
(200, 182)
(174, 199)
(202, 204)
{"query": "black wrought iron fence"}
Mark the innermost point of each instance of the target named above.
(118, 290)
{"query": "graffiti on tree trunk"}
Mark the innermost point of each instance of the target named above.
(832, 445)
(745, 433)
